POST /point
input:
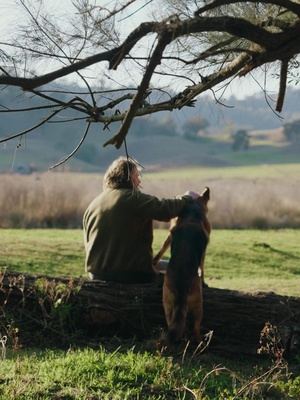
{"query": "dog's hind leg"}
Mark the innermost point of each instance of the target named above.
(177, 324)
(197, 315)
(175, 314)
(196, 307)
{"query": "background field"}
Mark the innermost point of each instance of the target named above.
(243, 199)
(263, 197)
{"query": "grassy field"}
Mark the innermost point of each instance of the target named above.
(119, 369)
(248, 260)
(141, 374)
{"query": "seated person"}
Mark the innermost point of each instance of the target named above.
(118, 226)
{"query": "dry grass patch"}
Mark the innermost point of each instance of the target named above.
(239, 197)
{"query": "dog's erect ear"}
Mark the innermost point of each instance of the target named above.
(206, 194)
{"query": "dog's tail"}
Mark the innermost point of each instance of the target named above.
(177, 326)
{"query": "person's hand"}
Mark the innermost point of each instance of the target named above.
(194, 195)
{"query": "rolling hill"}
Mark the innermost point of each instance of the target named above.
(152, 142)
(153, 151)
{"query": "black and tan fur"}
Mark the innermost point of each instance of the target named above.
(182, 288)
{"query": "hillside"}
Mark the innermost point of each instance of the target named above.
(156, 141)
(154, 152)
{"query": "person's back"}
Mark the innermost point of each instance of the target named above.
(120, 240)
(118, 226)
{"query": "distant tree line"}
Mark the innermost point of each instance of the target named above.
(240, 140)
(292, 131)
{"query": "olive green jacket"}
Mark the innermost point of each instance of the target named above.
(118, 233)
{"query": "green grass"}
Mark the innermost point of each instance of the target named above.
(254, 260)
(248, 260)
(136, 373)
(50, 252)
(130, 369)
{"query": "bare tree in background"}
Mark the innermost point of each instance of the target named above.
(129, 68)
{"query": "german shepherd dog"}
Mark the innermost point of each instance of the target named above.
(182, 287)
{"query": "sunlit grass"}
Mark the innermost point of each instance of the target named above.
(42, 251)
(130, 373)
(248, 260)
(254, 260)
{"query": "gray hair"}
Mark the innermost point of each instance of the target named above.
(118, 174)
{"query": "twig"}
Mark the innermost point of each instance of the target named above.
(74, 151)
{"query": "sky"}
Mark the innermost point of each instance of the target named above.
(240, 88)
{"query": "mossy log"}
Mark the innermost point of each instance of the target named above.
(80, 310)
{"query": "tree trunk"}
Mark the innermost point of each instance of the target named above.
(66, 310)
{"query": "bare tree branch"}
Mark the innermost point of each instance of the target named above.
(282, 84)
(74, 151)
(44, 121)
(206, 39)
(290, 5)
(118, 139)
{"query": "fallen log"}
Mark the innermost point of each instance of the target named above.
(69, 310)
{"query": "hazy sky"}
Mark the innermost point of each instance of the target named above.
(9, 17)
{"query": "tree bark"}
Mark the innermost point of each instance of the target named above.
(78, 310)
